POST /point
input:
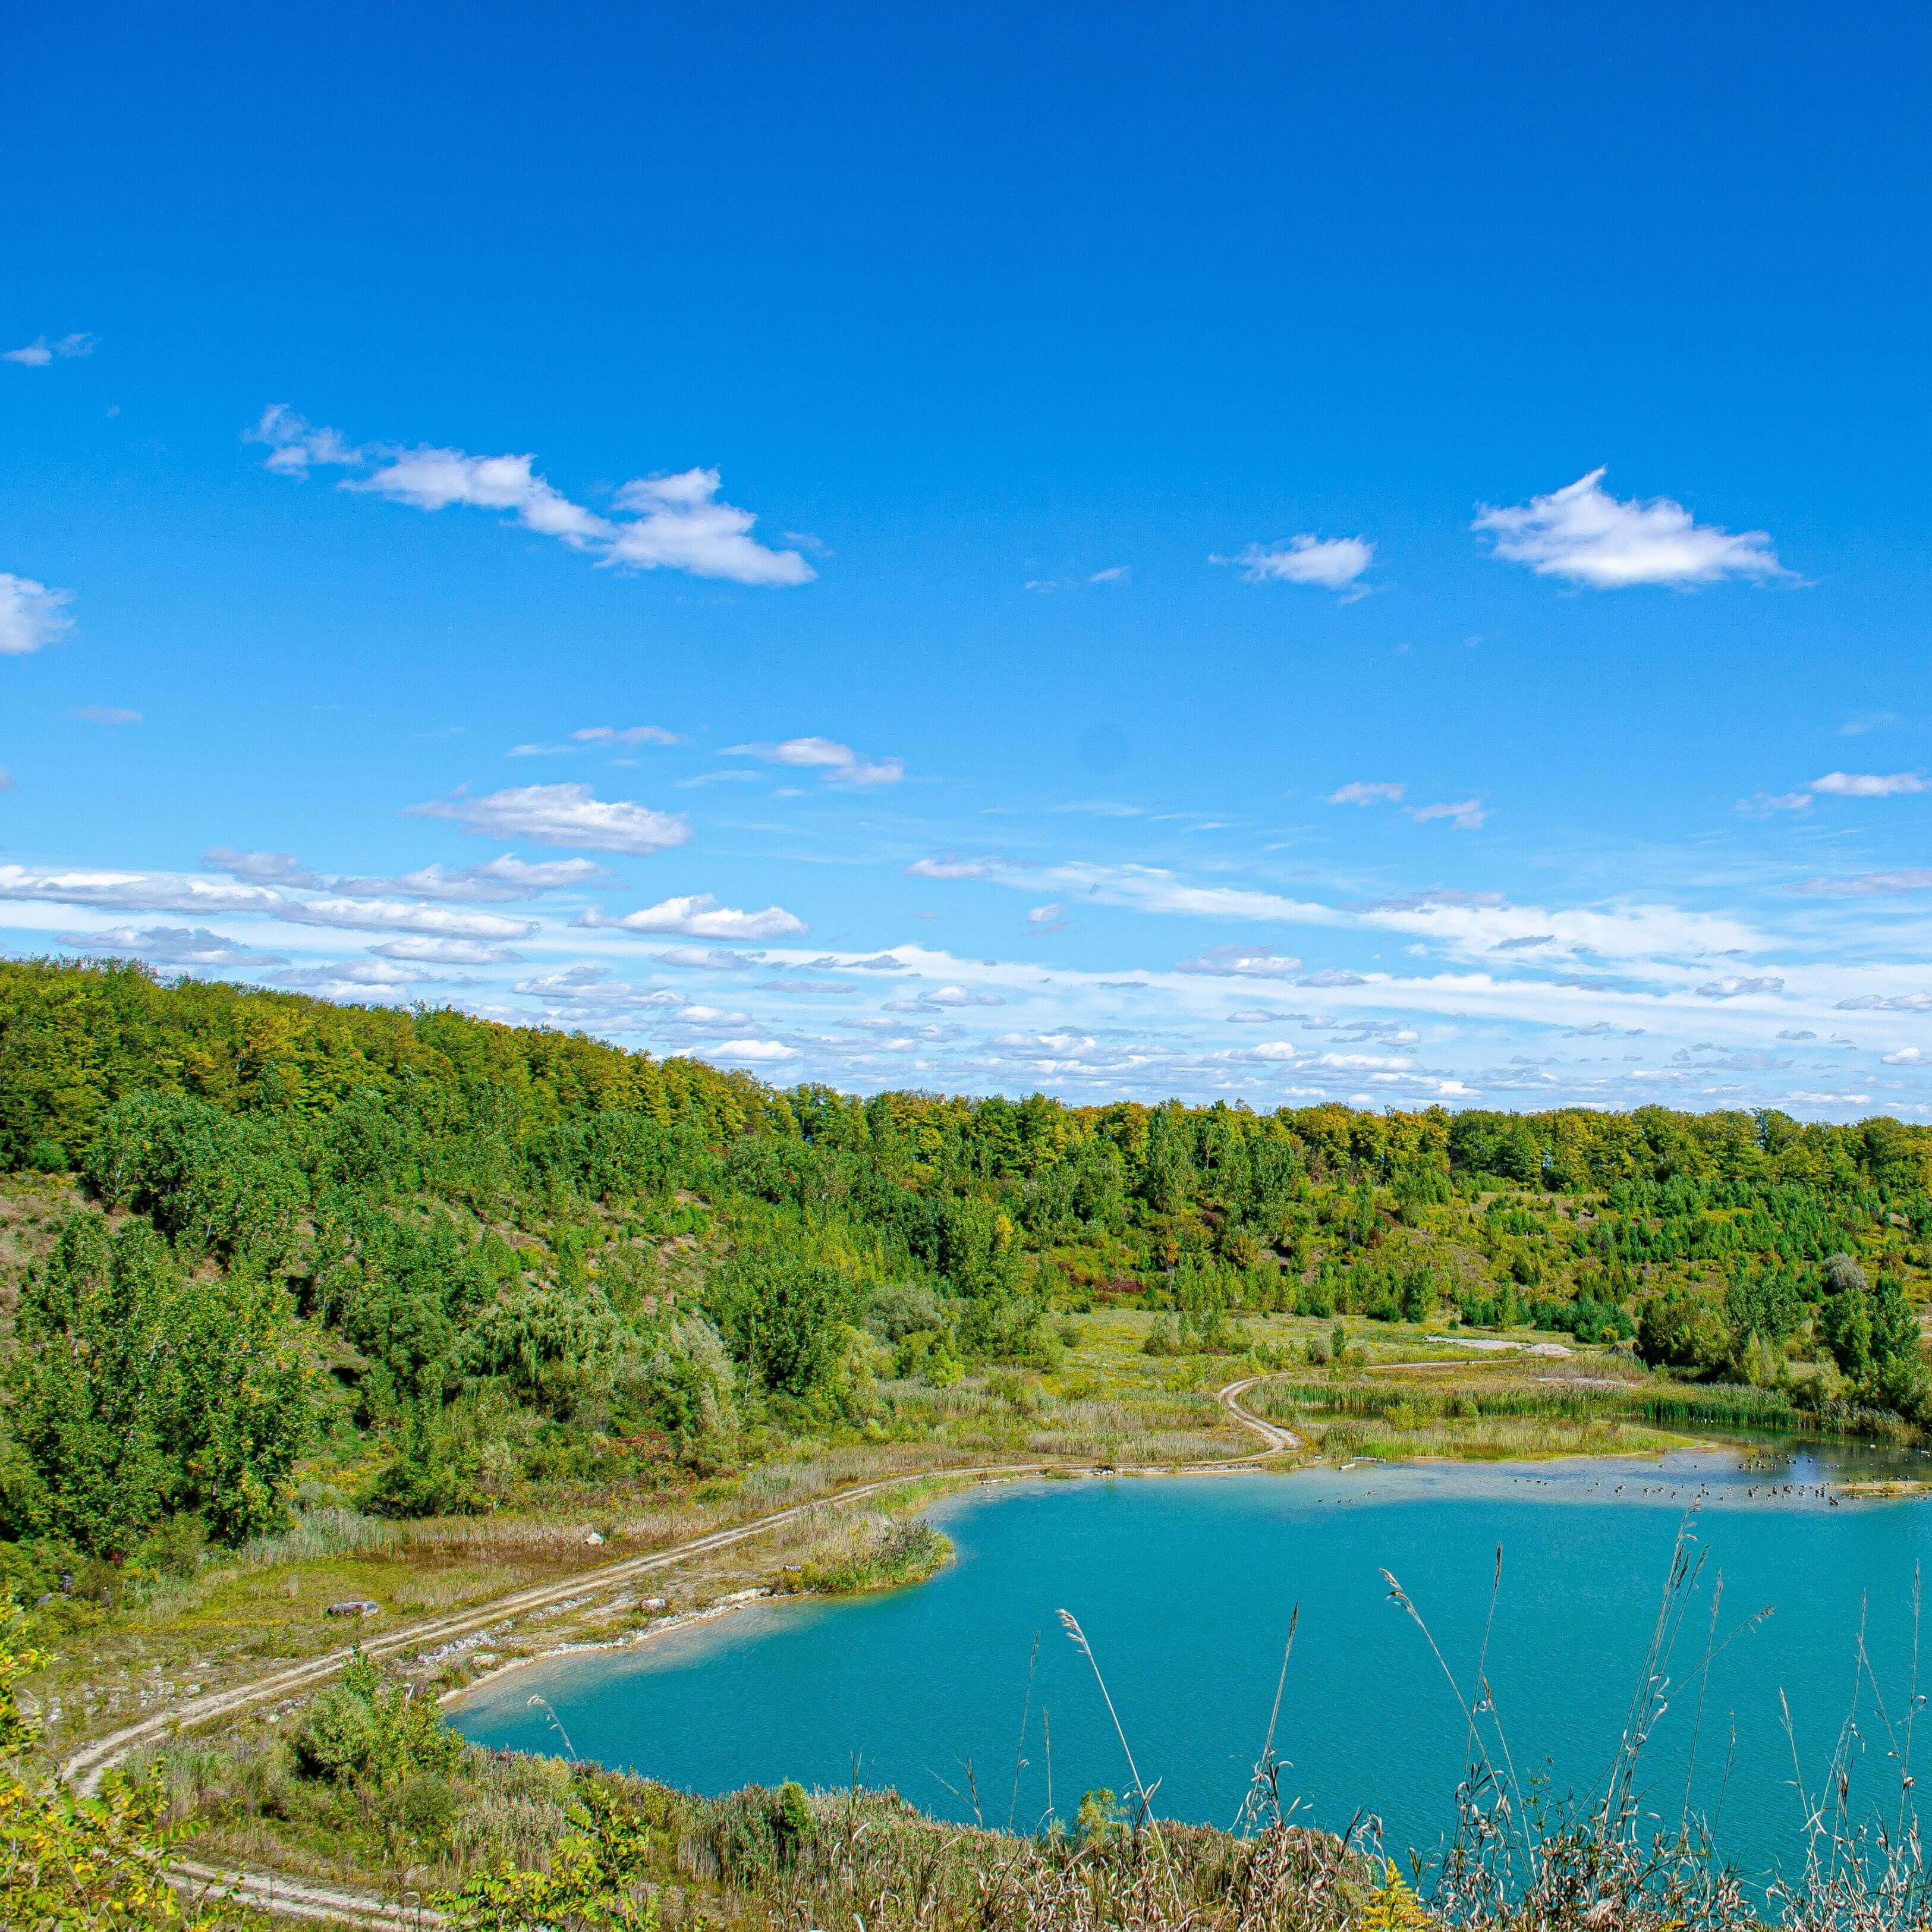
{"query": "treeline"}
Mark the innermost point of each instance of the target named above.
(436, 1260)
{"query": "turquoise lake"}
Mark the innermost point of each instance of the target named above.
(1185, 1586)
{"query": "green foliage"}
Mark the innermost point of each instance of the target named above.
(373, 1734)
(1680, 1329)
(785, 1317)
(77, 1865)
(213, 1183)
(136, 1391)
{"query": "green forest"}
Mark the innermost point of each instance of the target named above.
(427, 1264)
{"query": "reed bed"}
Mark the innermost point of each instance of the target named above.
(1684, 1405)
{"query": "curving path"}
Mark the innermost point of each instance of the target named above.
(84, 1768)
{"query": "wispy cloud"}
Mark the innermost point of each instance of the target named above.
(503, 878)
(1769, 804)
(357, 915)
(107, 714)
(673, 522)
(1328, 563)
(1358, 791)
(260, 869)
(132, 891)
(627, 736)
(172, 945)
(1870, 885)
(1871, 785)
(1241, 962)
(562, 814)
(1117, 573)
(426, 478)
(708, 959)
(429, 950)
(295, 444)
(32, 615)
(39, 352)
(836, 764)
(1737, 988)
(1466, 814)
(1584, 536)
(699, 916)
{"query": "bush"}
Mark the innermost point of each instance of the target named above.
(1680, 1329)
(377, 1735)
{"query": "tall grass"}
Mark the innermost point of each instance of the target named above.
(1688, 1404)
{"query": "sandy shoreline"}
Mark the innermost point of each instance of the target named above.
(663, 1626)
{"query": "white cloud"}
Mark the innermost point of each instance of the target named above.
(1583, 535)
(1734, 987)
(950, 868)
(496, 880)
(710, 1019)
(39, 352)
(427, 478)
(1050, 916)
(592, 987)
(672, 522)
(171, 946)
(1906, 1056)
(699, 916)
(753, 1050)
(839, 763)
(1871, 785)
(364, 974)
(708, 959)
(679, 525)
(354, 915)
(958, 996)
(433, 951)
(1118, 573)
(1358, 791)
(32, 615)
(295, 442)
(260, 869)
(136, 891)
(1465, 814)
(562, 814)
(1862, 885)
(628, 736)
(1768, 804)
(1879, 1003)
(1241, 962)
(107, 714)
(1330, 563)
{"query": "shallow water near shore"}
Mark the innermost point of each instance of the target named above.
(1185, 1585)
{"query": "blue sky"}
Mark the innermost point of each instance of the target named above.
(1278, 552)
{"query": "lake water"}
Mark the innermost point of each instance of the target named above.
(1185, 1586)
